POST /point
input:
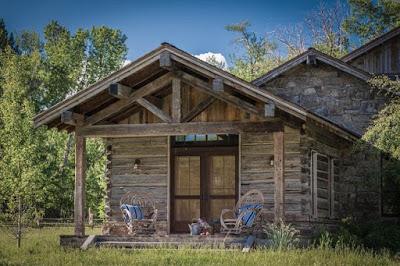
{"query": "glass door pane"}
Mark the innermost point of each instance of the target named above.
(186, 191)
(222, 185)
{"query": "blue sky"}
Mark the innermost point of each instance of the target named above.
(195, 26)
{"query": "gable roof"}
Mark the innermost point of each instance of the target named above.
(52, 114)
(334, 62)
(371, 44)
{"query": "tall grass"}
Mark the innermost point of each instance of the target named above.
(41, 247)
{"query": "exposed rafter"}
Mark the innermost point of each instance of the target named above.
(222, 95)
(154, 109)
(123, 103)
(202, 106)
(119, 91)
(71, 118)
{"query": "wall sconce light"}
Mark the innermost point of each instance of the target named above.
(271, 160)
(136, 164)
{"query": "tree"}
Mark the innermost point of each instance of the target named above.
(369, 19)
(383, 134)
(384, 131)
(212, 60)
(257, 53)
(65, 63)
(321, 29)
(6, 39)
(20, 164)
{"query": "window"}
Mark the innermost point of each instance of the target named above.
(324, 172)
(205, 140)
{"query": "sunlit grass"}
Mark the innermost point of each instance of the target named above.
(41, 247)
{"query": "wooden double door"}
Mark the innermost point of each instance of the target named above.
(204, 181)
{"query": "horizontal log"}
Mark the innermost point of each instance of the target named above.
(166, 129)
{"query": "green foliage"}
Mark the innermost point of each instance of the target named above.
(39, 75)
(257, 53)
(368, 18)
(377, 235)
(20, 164)
(42, 248)
(282, 236)
(383, 133)
(6, 39)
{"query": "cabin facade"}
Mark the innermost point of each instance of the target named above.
(197, 138)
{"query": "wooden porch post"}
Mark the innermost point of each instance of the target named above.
(79, 195)
(279, 198)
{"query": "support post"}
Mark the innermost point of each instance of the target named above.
(79, 195)
(176, 100)
(279, 197)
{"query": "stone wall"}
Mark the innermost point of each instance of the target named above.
(330, 93)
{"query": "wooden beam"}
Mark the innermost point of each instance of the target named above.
(154, 109)
(123, 103)
(79, 195)
(223, 96)
(311, 59)
(198, 109)
(218, 84)
(165, 60)
(176, 100)
(71, 118)
(269, 109)
(279, 197)
(166, 129)
(119, 91)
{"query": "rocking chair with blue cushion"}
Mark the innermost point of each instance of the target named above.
(245, 216)
(139, 213)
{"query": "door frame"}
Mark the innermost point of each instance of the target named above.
(201, 151)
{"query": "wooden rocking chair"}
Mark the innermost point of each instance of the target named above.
(249, 205)
(145, 202)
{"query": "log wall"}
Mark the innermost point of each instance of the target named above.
(150, 177)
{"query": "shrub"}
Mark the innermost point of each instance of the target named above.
(376, 235)
(282, 236)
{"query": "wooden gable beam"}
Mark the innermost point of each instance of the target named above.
(154, 109)
(119, 91)
(165, 60)
(71, 118)
(123, 103)
(223, 96)
(202, 106)
(218, 84)
(176, 100)
(269, 109)
(167, 129)
(311, 59)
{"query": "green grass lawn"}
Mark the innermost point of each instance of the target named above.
(41, 247)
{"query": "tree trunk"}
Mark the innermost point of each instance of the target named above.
(19, 229)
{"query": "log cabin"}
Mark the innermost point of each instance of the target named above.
(197, 138)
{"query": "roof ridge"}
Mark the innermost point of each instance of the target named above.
(373, 43)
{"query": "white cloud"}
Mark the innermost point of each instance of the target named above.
(127, 61)
(218, 57)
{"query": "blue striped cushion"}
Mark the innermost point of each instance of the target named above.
(135, 212)
(251, 212)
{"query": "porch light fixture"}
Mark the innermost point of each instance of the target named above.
(136, 164)
(271, 160)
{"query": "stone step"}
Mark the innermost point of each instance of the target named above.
(171, 244)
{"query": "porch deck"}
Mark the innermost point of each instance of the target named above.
(168, 241)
